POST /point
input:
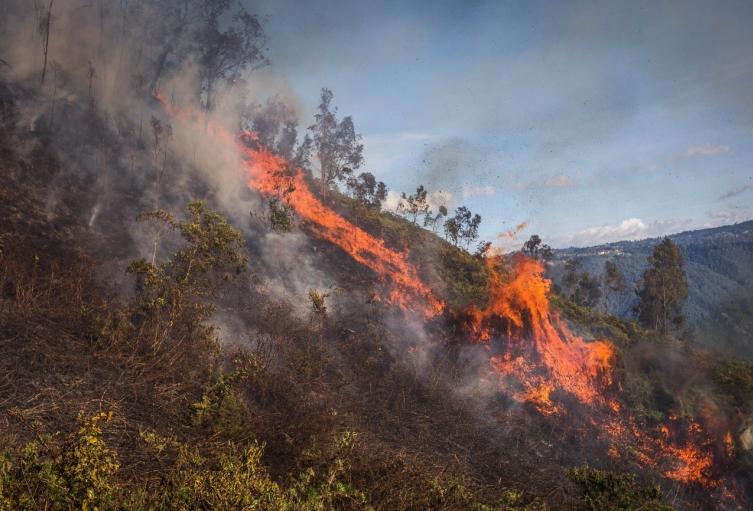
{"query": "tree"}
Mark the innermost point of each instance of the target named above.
(177, 288)
(225, 54)
(416, 204)
(44, 29)
(452, 230)
(663, 289)
(588, 291)
(534, 249)
(178, 28)
(366, 190)
(614, 283)
(336, 143)
(462, 227)
(275, 127)
(435, 220)
(469, 225)
(570, 279)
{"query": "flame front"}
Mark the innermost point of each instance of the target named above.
(406, 288)
(265, 171)
(541, 353)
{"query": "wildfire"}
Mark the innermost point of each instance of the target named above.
(536, 358)
(266, 174)
(406, 288)
(519, 305)
(542, 358)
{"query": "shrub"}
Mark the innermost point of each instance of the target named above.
(609, 491)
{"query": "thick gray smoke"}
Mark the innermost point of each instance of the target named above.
(91, 70)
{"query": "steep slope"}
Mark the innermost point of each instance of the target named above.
(359, 401)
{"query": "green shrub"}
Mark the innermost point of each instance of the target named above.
(79, 475)
(609, 491)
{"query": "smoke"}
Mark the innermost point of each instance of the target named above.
(120, 153)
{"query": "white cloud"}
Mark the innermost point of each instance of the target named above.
(558, 181)
(470, 191)
(627, 229)
(705, 150)
(630, 228)
(435, 199)
(727, 216)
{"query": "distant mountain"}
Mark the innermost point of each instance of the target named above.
(719, 266)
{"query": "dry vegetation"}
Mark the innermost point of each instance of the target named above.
(121, 395)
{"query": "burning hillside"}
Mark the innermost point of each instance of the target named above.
(209, 301)
(534, 358)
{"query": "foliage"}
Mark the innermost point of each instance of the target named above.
(366, 190)
(221, 408)
(280, 215)
(337, 145)
(614, 283)
(435, 221)
(81, 476)
(227, 48)
(588, 291)
(609, 491)
(535, 249)
(212, 252)
(663, 289)
(414, 205)
(78, 474)
(452, 495)
(462, 227)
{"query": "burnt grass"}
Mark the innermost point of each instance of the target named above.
(66, 349)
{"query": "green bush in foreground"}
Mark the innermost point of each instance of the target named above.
(82, 474)
(608, 491)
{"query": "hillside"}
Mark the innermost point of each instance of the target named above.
(719, 267)
(192, 316)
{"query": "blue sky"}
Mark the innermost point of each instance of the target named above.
(588, 121)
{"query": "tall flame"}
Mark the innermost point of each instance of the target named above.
(542, 354)
(541, 358)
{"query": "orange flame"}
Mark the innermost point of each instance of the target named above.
(542, 356)
(265, 171)
(407, 289)
(565, 360)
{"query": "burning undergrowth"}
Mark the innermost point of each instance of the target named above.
(531, 355)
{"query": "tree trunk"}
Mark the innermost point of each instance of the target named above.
(47, 39)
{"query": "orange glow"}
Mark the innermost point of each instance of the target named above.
(266, 173)
(543, 357)
(406, 288)
(536, 358)
(519, 305)
(729, 445)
